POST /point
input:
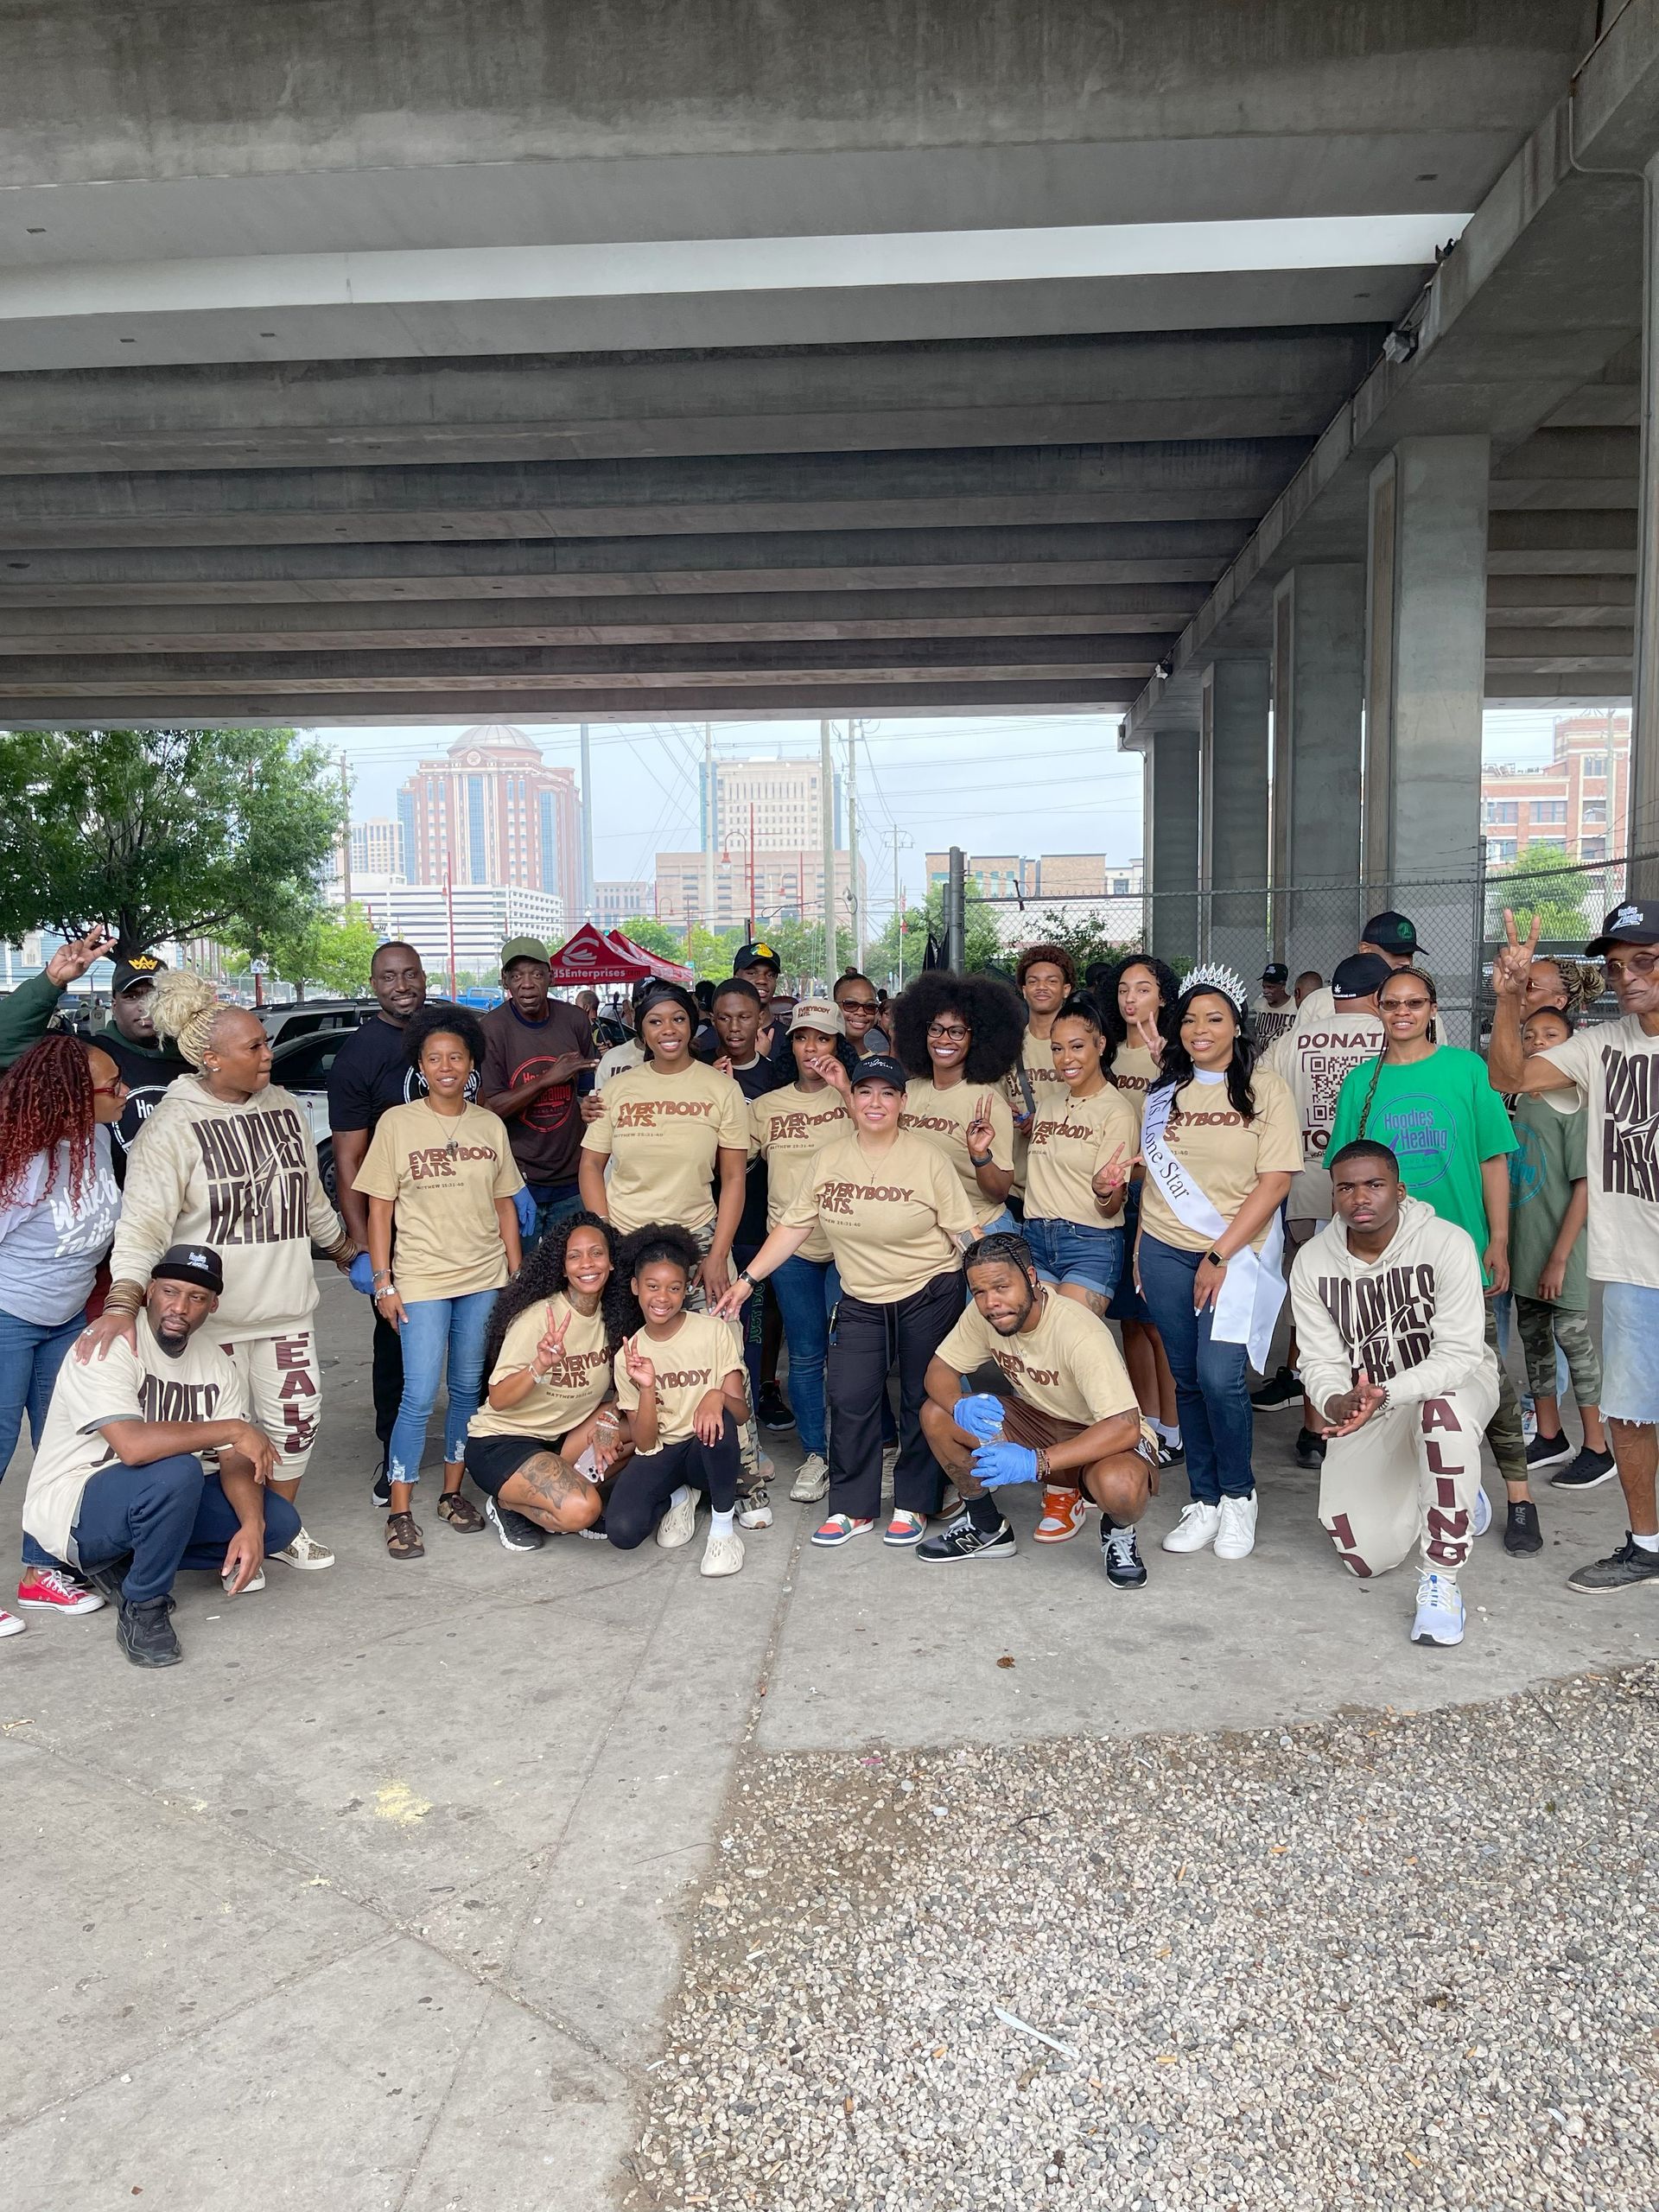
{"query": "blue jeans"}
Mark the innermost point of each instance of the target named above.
(1630, 1326)
(168, 1515)
(802, 1287)
(31, 1352)
(1070, 1251)
(1211, 1379)
(439, 1332)
(553, 1202)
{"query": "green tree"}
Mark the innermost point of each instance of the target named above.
(315, 944)
(1085, 935)
(656, 937)
(982, 945)
(800, 947)
(1567, 898)
(163, 833)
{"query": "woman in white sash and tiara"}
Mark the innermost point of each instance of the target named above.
(1221, 1143)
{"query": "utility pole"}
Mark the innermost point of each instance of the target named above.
(709, 832)
(827, 811)
(345, 834)
(956, 914)
(852, 729)
(587, 826)
(900, 838)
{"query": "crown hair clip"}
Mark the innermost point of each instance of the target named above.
(1215, 975)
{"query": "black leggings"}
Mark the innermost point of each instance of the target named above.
(639, 1497)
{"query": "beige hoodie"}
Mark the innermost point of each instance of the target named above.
(1414, 1319)
(241, 1178)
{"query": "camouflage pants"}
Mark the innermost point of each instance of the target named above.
(1504, 1432)
(1542, 1327)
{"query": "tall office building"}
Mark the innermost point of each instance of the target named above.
(779, 797)
(377, 847)
(493, 811)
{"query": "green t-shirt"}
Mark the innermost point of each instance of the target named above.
(1440, 1117)
(1547, 1160)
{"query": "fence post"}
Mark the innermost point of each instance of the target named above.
(1476, 979)
(956, 914)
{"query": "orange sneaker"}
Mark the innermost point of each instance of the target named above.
(1063, 1513)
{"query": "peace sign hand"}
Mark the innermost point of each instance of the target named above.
(1110, 1183)
(980, 1133)
(1511, 968)
(550, 1352)
(641, 1373)
(1151, 1038)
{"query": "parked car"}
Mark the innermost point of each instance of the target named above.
(301, 1017)
(300, 1064)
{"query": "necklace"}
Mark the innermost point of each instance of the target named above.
(454, 1144)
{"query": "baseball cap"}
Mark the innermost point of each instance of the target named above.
(522, 948)
(822, 1014)
(1635, 924)
(1276, 972)
(197, 1263)
(143, 968)
(1360, 975)
(760, 954)
(880, 1067)
(1390, 931)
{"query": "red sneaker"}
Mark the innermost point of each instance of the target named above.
(51, 1590)
(1062, 1515)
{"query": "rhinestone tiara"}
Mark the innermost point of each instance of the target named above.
(1213, 975)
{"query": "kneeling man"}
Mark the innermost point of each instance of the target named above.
(1390, 1316)
(116, 1488)
(1047, 1400)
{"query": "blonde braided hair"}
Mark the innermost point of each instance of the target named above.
(187, 1009)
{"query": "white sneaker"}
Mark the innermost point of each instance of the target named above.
(722, 1555)
(755, 1511)
(1236, 1537)
(9, 1624)
(306, 1552)
(677, 1524)
(1196, 1530)
(1483, 1515)
(1440, 1611)
(257, 1583)
(813, 1481)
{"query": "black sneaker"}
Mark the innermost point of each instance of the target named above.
(1309, 1449)
(381, 1493)
(144, 1633)
(1520, 1530)
(1625, 1569)
(107, 1579)
(1279, 1396)
(773, 1409)
(1120, 1557)
(1549, 1452)
(516, 1532)
(962, 1540)
(1170, 1455)
(1588, 1471)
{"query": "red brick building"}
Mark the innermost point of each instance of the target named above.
(1578, 803)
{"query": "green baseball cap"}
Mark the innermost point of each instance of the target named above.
(522, 947)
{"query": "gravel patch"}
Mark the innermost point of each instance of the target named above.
(1394, 1958)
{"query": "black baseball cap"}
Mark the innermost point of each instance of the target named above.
(141, 968)
(757, 955)
(1276, 972)
(1360, 975)
(196, 1264)
(880, 1067)
(1636, 923)
(1389, 932)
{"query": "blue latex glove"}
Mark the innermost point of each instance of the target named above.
(525, 1206)
(360, 1274)
(997, 1463)
(979, 1417)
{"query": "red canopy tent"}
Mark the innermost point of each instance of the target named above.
(592, 955)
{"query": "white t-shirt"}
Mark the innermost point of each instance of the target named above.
(51, 1242)
(1617, 1067)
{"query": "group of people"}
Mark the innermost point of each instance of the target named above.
(935, 1208)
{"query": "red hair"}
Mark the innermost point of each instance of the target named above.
(45, 1098)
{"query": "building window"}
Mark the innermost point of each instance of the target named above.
(475, 861)
(1593, 810)
(1502, 810)
(1550, 809)
(1499, 849)
(1595, 764)
(1593, 848)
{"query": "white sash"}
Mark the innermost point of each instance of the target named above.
(1253, 1289)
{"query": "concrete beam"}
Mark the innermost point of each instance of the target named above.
(1599, 542)
(1514, 601)
(1233, 781)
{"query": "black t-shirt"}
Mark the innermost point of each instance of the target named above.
(147, 1074)
(371, 1072)
(755, 1083)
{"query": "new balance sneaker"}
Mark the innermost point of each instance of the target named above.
(1062, 1515)
(1440, 1611)
(1483, 1511)
(812, 1482)
(1236, 1535)
(1309, 1449)
(753, 1511)
(9, 1624)
(840, 1529)
(962, 1540)
(722, 1555)
(1549, 1452)
(1588, 1471)
(772, 1408)
(1631, 1567)
(48, 1590)
(1520, 1530)
(1120, 1557)
(517, 1533)
(306, 1552)
(144, 1633)
(1279, 1396)
(905, 1529)
(678, 1524)
(1196, 1530)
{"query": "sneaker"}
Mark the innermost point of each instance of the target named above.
(753, 1511)
(1588, 1471)
(1549, 1451)
(516, 1534)
(305, 1552)
(1627, 1568)
(107, 1576)
(9, 1624)
(1281, 1395)
(678, 1524)
(1062, 1515)
(1440, 1611)
(258, 1582)
(1520, 1530)
(722, 1555)
(840, 1529)
(962, 1540)
(1236, 1537)
(50, 1591)
(1483, 1511)
(1171, 1451)
(1196, 1530)
(144, 1633)
(1309, 1449)
(772, 1409)
(461, 1513)
(1120, 1557)
(812, 1483)
(950, 1502)
(905, 1529)
(380, 1490)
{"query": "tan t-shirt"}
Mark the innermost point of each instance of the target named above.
(1615, 1066)
(1313, 1058)
(1072, 1139)
(694, 1360)
(791, 1127)
(1037, 1058)
(662, 1133)
(576, 1388)
(1067, 1366)
(941, 1116)
(1134, 1071)
(891, 1221)
(443, 1178)
(1225, 1155)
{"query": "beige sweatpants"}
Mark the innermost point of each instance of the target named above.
(285, 1389)
(1408, 1476)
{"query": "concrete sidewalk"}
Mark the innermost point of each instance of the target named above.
(381, 1899)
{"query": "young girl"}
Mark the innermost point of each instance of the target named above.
(680, 1379)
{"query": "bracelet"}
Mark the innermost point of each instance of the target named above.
(972, 1162)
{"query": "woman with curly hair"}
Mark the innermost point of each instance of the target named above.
(957, 1036)
(1133, 996)
(227, 1160)
(555, 1330)
(441, 1171)
(58, 1206)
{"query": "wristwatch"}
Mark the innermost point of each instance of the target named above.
(1215, 1259)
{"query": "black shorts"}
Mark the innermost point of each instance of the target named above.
(492, 1460)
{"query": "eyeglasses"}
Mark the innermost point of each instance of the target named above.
(859, 1005)
(1631, 963)
(946, 1033)
(115, 1089)
(1405, 1006)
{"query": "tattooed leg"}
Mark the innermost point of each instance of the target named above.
(554, 1496)
(1082, 1295)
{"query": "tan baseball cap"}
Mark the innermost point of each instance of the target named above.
(823, 1014)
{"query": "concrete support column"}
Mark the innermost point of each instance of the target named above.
(1233, 813)
(1425, 673)
(1169, 836)
(1642, 828)
(1318, 712)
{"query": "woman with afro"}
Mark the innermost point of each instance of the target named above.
(957, 1039)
